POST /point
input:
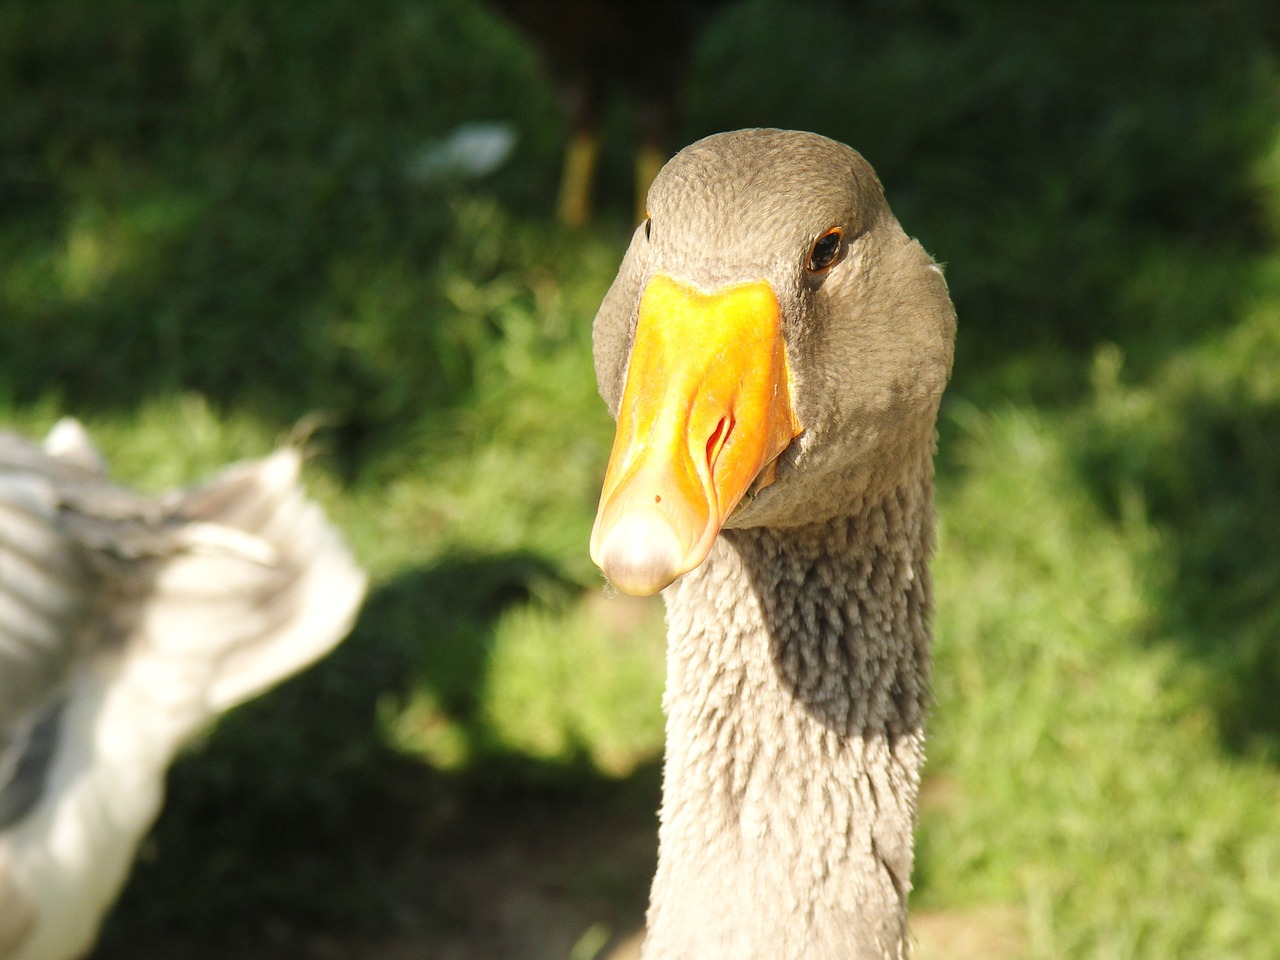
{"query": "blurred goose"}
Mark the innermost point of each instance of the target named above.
(596, 51)
(774, 349)
(128, 623)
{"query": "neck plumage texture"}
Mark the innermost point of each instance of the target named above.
(798, 675)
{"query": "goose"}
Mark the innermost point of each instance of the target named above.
(774, 349)
(127, 623)
(600, 51)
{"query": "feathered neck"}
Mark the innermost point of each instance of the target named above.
(797, 681)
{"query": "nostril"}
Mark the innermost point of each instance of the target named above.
(719, 437)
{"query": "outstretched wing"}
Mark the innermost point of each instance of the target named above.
(46, 591)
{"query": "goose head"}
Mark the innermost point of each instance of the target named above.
(774, 349)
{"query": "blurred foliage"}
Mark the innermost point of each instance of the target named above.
(1077, 163)
(214, 223)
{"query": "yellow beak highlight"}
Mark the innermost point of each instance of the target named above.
(705, 413)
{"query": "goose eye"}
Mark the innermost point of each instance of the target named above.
(826, 249)
(648, 227)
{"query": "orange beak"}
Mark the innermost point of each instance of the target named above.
(705, 413)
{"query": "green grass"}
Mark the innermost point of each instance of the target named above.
(211, 229)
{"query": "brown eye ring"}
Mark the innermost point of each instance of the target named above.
(825, 250)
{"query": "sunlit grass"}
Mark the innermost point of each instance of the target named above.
(563, 683)
(1079, 746)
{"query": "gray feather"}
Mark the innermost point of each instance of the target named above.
(128, 622)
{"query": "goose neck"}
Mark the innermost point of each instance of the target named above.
(796, 695)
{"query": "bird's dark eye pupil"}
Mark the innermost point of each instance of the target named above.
(648, 227)
(825, 250)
